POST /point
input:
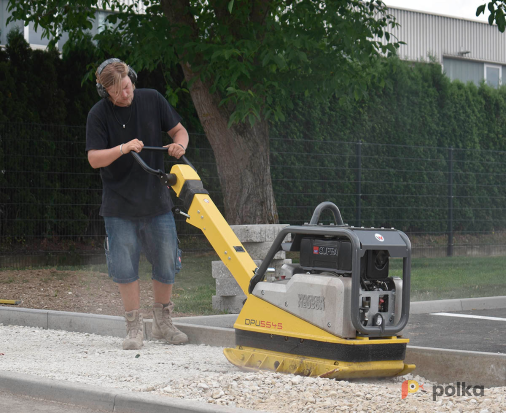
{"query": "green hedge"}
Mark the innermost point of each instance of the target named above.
(404, 129)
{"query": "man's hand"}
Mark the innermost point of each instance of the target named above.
(176, 150)
(134, 145)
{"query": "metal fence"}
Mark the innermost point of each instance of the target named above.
(449, 201)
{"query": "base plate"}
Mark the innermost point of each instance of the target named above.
(254, 359)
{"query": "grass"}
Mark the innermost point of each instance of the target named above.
(431, 279)
(454, 277)
(192, 293)
(195, 285)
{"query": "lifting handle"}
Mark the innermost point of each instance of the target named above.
(321, 207)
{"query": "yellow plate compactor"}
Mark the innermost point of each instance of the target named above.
(336, 314)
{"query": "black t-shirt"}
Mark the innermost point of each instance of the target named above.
(128, 190)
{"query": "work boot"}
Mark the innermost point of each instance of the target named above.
(162, 327)
(135, 330)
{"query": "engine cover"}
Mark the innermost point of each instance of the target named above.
(324, 300)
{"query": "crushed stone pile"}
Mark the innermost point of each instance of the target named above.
(202, 373)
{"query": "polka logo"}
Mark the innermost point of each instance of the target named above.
(410, 386)
(379, 237)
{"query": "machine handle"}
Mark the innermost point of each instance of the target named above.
(144, 165)
(321, 207)
(162, 148)
(167, 179)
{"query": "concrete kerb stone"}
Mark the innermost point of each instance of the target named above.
(101, 325)
(197, 334)
(458, 304)
(257, 233)
(114, 326)
(113, 400)
(199, 331)
(227, 287)
(219, 270)
(449, 366)
(257, 240)
(231, 304)
(23, 317)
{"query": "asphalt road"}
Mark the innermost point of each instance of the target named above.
(484, 332)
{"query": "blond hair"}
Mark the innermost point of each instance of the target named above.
(112, 75)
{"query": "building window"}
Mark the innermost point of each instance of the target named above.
(493, 75)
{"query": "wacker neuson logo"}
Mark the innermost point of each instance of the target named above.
(412, 386)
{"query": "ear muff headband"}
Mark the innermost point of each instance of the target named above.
(100, 88)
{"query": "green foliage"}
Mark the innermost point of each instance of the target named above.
(404, 126)
(252, 55)
(30, 84)
(404, 130)
(497, 13)
(47, 187)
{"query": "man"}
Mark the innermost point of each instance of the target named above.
(135, 206)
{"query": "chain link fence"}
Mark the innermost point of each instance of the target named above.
(449, 201)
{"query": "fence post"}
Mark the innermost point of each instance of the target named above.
(449, 252)
(359, 184)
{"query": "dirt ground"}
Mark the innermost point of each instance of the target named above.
(75, 291)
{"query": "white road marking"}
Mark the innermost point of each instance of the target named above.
(479, 317)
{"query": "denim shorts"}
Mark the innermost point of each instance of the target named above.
(155, 236)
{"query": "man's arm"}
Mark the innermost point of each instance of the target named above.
(100, 158)
(180, 138)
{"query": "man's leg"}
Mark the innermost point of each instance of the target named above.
(123, 253)
(131, 295)
(160, 244)
(162, 292)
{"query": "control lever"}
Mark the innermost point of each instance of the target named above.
(177, 211)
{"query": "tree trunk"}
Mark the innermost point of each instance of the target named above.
(241, 152)
(242, 158)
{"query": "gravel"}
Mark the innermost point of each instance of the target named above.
(202, 373)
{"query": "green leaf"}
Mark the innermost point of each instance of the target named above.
(480, 10)
(500, 20)
(491, 18)
(230, 6)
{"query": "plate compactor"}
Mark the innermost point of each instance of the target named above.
(336, 314)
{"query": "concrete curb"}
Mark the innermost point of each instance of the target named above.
(449, 366)
(201, 329)
(198, 329)
(112, 400)
(458, 304)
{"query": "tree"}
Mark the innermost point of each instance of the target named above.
(244, 61)
(497, 10)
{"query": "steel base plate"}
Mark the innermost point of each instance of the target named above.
(253, 359)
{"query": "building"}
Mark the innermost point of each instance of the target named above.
(467, 49)
(34, 37)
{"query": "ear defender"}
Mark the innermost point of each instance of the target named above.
(102, 92)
